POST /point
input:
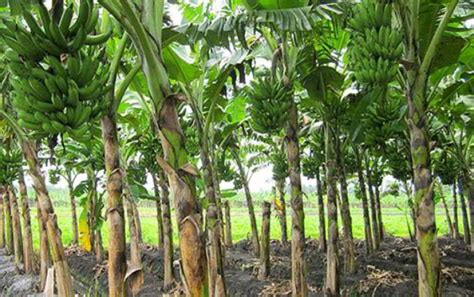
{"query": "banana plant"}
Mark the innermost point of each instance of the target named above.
(383, 123)
(232, 141)
(421, 59)
(207, 105)
(49, 220)
(312, 163)
(455, 118)
(397, 155)
(146, 32)
(280, 174)
(142, 141)
(326, 102)
(285, 55)
(70, 173)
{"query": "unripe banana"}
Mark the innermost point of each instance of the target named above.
(66, 19)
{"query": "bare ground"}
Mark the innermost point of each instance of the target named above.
(391, 271)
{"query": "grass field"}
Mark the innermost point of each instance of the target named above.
(394, 221)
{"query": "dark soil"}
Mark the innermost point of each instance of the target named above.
(391, 271)
(12, 281)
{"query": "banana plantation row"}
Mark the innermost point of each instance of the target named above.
(191, 95)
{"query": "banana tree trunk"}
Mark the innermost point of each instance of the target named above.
(332, 269)
(214, 223)
(411, 209)
(429, 269)
(8, 222)
(138, 221)
(74, 227)
(98, 244)
(378, 205)
(135, 274)
(16, 226)
(378, 208)
(117, 260)
(99, 247)
(248, 197)
(349, 252)
(63, 275)
(446, 210)
(264, 270)
(282, 210)
(429, 266)
(215, 259)
(2, 218)
(45, 259)
(134, 221)
(465, 220)
(373, 212)
(228, 225)
(27, 236)
(298, 269)
(321, 215)
(181, 177)
(469, 188)
(365, 205)
(455, 212)
(134, 227)
(91, 213)
(219, 204)
(159, 215)
(168, 278)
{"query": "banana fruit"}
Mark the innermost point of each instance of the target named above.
(59, 82)
(10, 163)
(376, 47)
(270, 102)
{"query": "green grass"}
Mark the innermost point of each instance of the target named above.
(394, 221)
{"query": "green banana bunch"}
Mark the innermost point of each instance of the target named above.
(59, 80)
(48, 37)
(54, 175)
(226, 173)
(270, 103)
(10, 162)
(370, 14)
(280, 165)
(376, 46)
(310, 166)
(238, 183)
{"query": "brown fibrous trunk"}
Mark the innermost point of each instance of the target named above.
(457, 235)
(298, 270)
(321, 215)
(465, 220)
(74, 226)
(63, 275)
(281, 211)
(332, 269)
(16, 227)
(28, 260)
(117, 260)
(159, 215)
(365, 206)
(250, 207)
(228, 224)
(264, 270)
